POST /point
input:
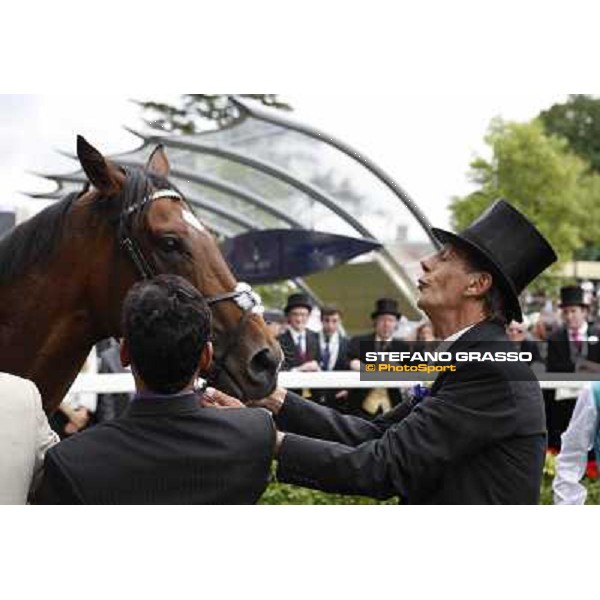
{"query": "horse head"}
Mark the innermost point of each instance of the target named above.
(150, 229)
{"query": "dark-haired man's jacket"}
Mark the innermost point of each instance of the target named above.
(164, 450)
(478, 439)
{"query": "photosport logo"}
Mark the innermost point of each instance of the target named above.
(428, 360)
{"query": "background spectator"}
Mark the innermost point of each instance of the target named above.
(574, 347)
(333, 345)
(366, 402)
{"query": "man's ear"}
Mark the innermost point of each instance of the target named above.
(479, 285)
(205, 359)
(158, 162)
(124, 353)
(103, 175)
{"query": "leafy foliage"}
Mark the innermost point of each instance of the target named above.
(578, 121)
(545, 180)
(198, 112)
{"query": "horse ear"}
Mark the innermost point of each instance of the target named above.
(158, 162)
(101, 173)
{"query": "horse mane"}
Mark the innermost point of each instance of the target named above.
(33, 242)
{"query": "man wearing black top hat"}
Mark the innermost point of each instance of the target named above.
(572, 348)
(300, 345)
(480, 436)
(365, 402)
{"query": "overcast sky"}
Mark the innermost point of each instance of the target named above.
(425, 142)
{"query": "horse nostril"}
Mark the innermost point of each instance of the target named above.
(264, 360)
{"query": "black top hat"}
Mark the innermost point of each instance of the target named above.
(510, 245)
(296, 300)
(386, 306)
(572, 295)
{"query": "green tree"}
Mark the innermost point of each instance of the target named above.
(541, 176)
(197, 112)
(578, 121)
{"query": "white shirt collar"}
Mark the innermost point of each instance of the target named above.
(456, 335)
(582, 331)
(296, 334)
(445, 344)
(332, 340)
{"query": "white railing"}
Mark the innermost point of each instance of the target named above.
(123, 382)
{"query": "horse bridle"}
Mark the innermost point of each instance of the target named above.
(243, 296)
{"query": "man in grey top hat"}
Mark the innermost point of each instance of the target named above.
(480, 436)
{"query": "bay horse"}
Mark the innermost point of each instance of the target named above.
(65, 272)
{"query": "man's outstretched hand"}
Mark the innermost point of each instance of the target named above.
(213, 397)
(273, 402)
(216, 398)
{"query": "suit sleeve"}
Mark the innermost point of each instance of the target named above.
(411, 456)
(56, 487)
(312, 420)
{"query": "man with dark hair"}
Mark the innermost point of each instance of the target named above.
(332, 342)
(165, 449)
(333, 345)
(479, 437)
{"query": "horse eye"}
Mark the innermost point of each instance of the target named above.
(170, 243)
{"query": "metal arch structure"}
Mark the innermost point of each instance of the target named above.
(352, 153)
(207, 181)
(227, 215)
(265, 167)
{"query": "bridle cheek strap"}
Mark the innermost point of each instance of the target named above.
(243, 295)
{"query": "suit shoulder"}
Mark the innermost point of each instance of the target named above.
(104, 435)
(19, 392)
(251, 428)
(14, 384)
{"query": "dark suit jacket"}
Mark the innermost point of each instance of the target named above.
(479, 438)
(560, 351)
(291, 358)
(531, 346)
(341, 361)
(358, 395)
(164, 450)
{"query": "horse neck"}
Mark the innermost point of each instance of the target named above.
(46, 327)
